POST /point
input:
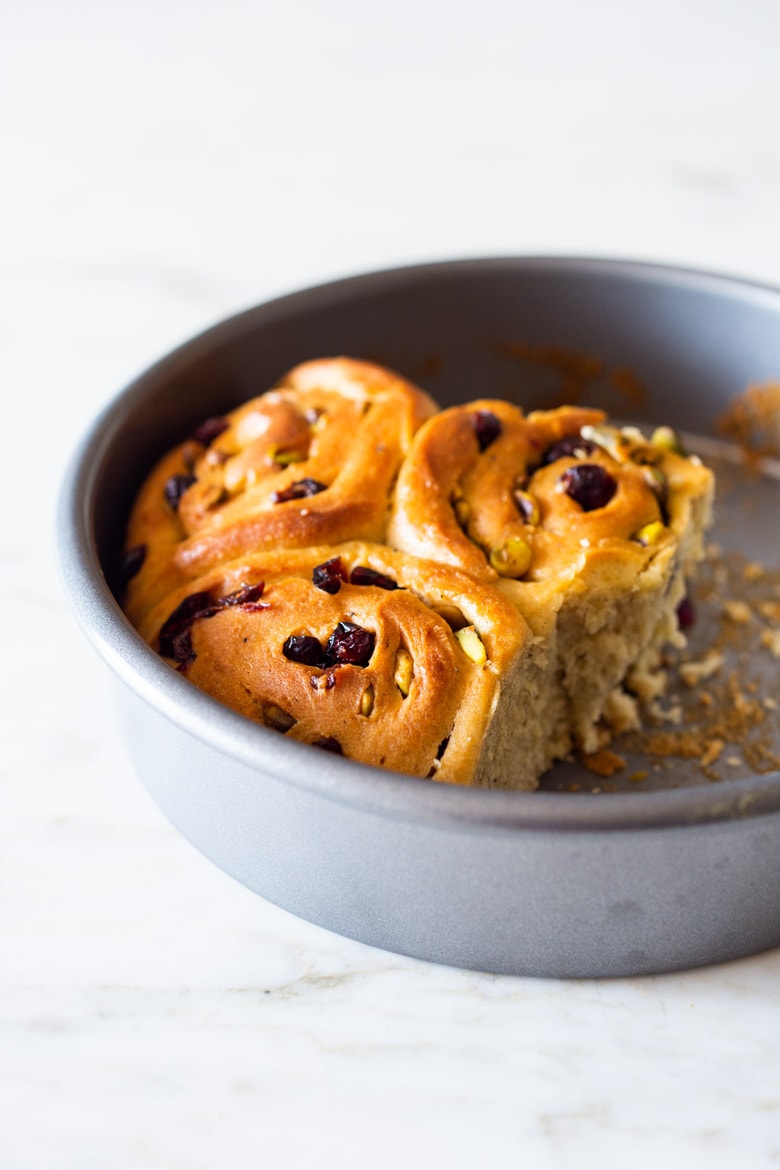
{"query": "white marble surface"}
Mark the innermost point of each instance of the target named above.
(164, 164)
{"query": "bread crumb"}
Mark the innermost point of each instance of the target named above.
(604, 763)
(753, 571)
(689, 745)
(771, 639)
(732, 712)
(692, 673)
(638, 777)
(712, 753)
(752, 420)
(738, 612)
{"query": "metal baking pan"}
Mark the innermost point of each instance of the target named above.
(574, 880)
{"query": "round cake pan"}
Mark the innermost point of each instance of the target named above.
(553, 883)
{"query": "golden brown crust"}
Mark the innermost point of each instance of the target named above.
(527, 616)
(418, 689)
(338, 429)
(598, 581)
(461, 500)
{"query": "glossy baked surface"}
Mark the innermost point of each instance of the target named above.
(523, 578)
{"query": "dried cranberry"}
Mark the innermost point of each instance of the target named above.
(304, 648)
(175, 487)
(686, 614)
(487, 427)
(589, 485)
(132, 562)
(181, 649)
(362, 575)
(299, 490)
(195, 605)
(330, 575)
(567, 447)
(176, 632)
(209, 430)
(329, 744)
(247, 597)
(175, 639)
(350, 645)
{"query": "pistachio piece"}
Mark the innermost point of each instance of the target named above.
(610, 439)
(367, 701)
(655, 479)
(284, 458)
(471, 644)
(646, 454)
(650, 533)
(633, 433)
(513, 558)
(278, 719)
(527, 506)
(641, 451)
(404, 671)
(628, 443)
(669, 440)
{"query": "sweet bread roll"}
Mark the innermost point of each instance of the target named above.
(458, 495)
(376, 655)
(310, 462)
(590, 530)
(463, 595)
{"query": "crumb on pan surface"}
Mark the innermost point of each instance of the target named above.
(730, 713)
(752, 421)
